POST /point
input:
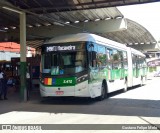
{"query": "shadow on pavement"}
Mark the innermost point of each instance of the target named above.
(110, 106)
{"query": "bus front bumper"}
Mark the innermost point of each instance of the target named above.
(79, 90)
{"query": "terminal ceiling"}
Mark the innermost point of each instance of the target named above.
(49, 13)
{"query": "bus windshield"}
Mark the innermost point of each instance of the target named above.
(59, 63)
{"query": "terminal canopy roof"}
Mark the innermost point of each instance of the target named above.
(47, 13)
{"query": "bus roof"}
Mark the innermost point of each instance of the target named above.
(85, 37)
(137, 52)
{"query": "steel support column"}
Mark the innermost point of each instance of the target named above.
(23, 64)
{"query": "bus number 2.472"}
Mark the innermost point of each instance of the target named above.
(67, 81)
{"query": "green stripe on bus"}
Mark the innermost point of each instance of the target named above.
(71, 81)
(65, 81)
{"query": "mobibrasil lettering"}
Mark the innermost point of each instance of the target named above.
(59, 48)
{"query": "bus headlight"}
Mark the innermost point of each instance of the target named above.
(82, 78)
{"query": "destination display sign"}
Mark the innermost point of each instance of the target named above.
(63, 47)
(60, 48)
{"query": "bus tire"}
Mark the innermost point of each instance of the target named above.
(103, 92)
(42, 99)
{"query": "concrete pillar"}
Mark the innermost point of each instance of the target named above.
(23, 64)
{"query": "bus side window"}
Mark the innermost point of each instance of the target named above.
(120, 59)
(115, 59)
(101, 56)
(134, 61)
(139, 62)
(144, 62)
(125, 64)
(109, 58)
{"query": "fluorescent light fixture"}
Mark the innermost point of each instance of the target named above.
(47, 24)
(38, 25)
(2, 30)
(130, 43)
(67, 22)
(57, 23)
(13, 10)
(107, 18)
(30, 26)
(148, 42)
(142, 42)
(118, 17)
(97, 19)
(86, 20)
(76, 21)
(6, 28)
(136, 43)
(154, 42)
(13, 27)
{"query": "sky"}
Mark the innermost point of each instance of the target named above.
(147, 15)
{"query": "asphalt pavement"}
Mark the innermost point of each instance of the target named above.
(139, 105)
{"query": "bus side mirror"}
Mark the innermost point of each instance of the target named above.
(92, 56)
(93, 59)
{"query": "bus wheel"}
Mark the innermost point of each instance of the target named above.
(125, 86)
(103, 92)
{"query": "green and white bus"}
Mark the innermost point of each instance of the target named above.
(87, 65)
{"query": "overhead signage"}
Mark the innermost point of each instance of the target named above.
(60, 48)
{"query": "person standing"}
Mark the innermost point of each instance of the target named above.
(28, 84)
(3, 86)
(1, 77)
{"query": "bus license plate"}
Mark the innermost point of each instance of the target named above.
(59, 92)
